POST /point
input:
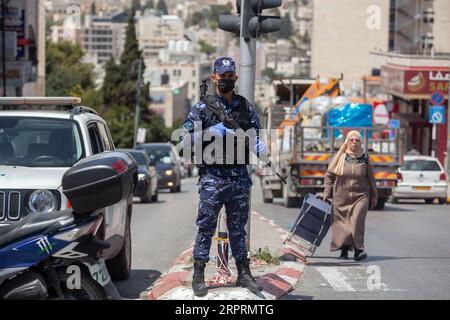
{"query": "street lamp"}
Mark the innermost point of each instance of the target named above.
(138, 96)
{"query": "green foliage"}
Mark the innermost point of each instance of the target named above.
(267, 256)
(93, 10)
(149, 5)
(119, 93)
(206, 48)
(66, 75)
(269, 72)
(286, 30)
(197, 18)
(161, 6)
(115, 101)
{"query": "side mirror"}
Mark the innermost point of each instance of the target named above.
(100, 181)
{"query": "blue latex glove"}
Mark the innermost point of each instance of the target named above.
(220, 129)
(260, 147)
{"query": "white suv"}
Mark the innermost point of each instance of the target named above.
(37, 145)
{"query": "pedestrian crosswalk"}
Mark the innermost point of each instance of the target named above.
(354, 278)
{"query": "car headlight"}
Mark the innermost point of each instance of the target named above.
(141, 176)
(42, 201)
(168, 172)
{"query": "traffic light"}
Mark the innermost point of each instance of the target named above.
(253, 23)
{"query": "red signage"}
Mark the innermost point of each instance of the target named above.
(415, 83)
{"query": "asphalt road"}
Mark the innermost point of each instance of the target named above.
(160, 232)
(409, 255)
(407, 243)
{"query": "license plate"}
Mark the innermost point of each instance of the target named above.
(99, 272)
(422, 188)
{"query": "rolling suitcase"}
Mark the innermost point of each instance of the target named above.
(313, 222)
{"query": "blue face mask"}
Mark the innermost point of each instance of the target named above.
(226, 85)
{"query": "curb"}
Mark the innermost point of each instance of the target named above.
(274, 284)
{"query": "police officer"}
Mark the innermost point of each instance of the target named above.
(223, 183)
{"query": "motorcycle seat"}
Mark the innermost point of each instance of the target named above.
(32, 224)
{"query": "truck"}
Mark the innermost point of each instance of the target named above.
(302, 142)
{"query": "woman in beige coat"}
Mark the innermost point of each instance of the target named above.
(350, 183)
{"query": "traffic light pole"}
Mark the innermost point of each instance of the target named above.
(247, 89)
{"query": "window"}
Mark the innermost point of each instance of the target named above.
(94, 137)
(39, 142)
(105, 137)
(421, 165)
(193, 73)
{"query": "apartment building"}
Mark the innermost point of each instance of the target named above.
(154, 33)
(170, 101)
(104, 36)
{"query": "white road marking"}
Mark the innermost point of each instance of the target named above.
(351, 279)
(335, 278)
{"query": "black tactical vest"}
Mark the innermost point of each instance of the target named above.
(241, 115)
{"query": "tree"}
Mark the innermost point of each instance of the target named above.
(93, 10)
(149, 5)
(286, 27)
(161, 6)
(65, 74)
(269, 72)
(135, 5)
(196, 19)
(206, 48)
(119, 93)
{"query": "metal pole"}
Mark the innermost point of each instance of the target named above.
(137, 109)
(247, 88)
(3, 47)
(433, 137)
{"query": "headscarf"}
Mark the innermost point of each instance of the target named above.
(337, 164)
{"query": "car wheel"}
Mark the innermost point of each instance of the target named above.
(429, 201)
(442, 200)
(393, 199)
(119, 267)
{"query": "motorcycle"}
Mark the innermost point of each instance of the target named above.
(58, 255)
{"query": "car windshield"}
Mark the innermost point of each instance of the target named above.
(39, 142)
(139, 157)
(421, 165)
(159, 154)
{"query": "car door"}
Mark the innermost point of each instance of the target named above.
(119, 210)
(99, 144)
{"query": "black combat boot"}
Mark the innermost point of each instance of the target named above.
(245, 278)
(198, 280)
(359, 255)
(344, 253)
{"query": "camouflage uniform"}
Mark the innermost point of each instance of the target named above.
(227, 186)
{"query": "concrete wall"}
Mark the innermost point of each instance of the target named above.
(342, 40)
(441, 29)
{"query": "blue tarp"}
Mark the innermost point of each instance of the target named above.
(350, 115)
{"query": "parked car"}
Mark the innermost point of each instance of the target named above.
(38, 144)
(147, 185)
(168, 164)
(421, 177)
